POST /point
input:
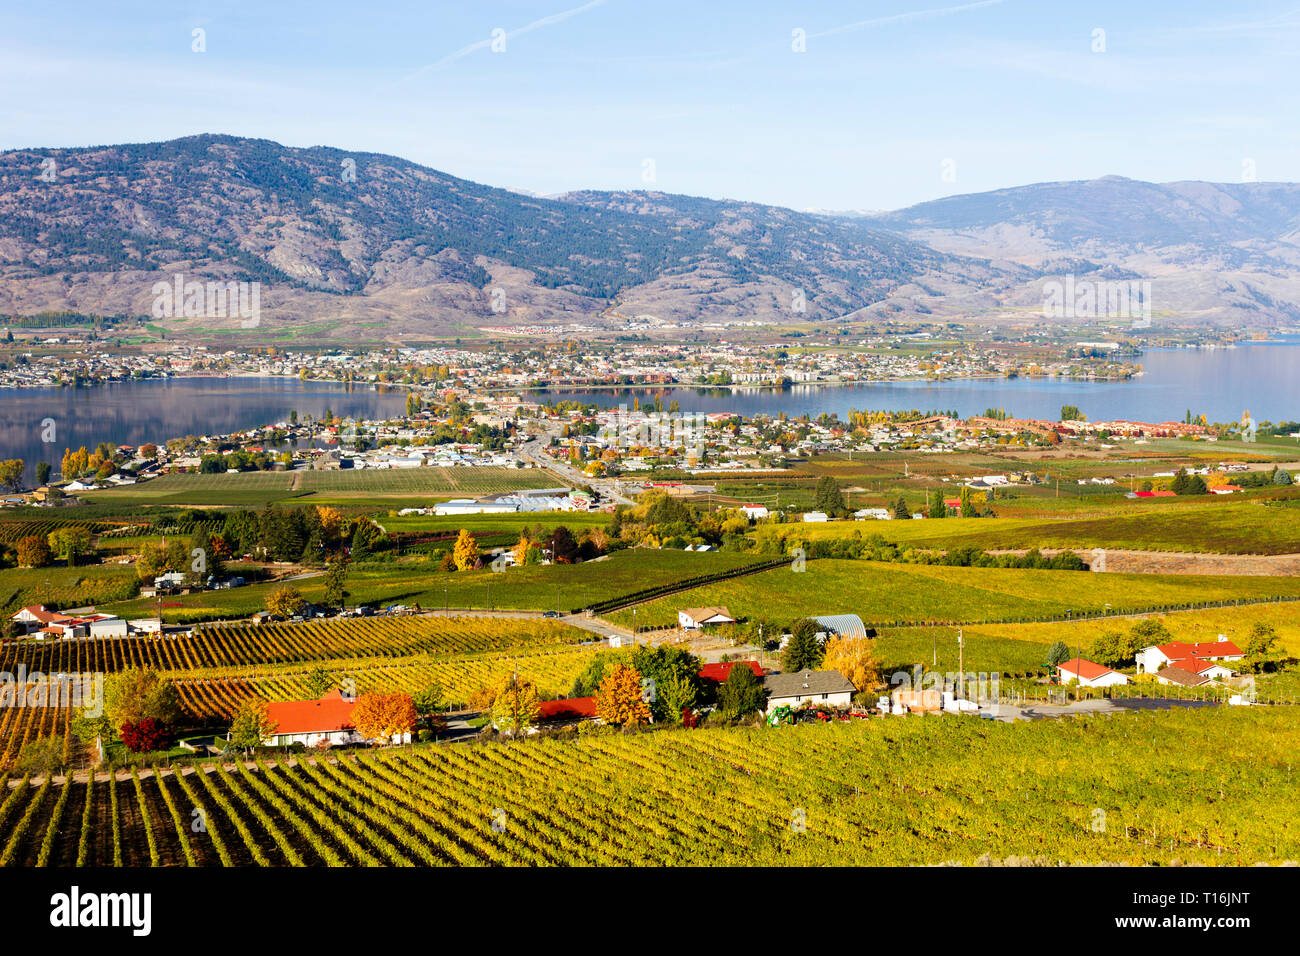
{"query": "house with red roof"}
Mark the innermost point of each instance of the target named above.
(37, 617)
(310, 722)
(719, 672)
(1175, 653)
(1088, 674)
(570, 708)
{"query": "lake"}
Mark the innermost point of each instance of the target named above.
(154, 410)
(1220, 383)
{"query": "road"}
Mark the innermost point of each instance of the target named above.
(534, 451)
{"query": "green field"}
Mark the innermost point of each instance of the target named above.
(1212, 526)
(886, 791)
(65, 587)
(418, 581)
(256, 487)
(885, 593)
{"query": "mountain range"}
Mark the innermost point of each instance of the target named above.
(367, 246)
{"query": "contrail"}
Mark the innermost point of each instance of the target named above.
(904, 17)
(483, 44)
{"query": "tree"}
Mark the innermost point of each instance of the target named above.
(828, 497)
(285, 601)
(11, 473)
(901, 509)
(1071, 413)
(1058, 653)
(43, 473)
(381, 717)
(679, 695)
(967, 506)
(1281, 477)
(33, 551)
(620, 699)
(251, 724)
(515, 705)
(937, 508)
(69, 542)
(44, 755)
(803, 651)
(1262, 653)
(145, 735)
(428, 700)
(318, 682)
(1149, 632)
(852, 657)
(138, 693)
(335, 577)
(465, 553)
(564, 549)
(1114, 649)
(741, 693)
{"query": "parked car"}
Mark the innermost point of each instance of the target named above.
(551, 614)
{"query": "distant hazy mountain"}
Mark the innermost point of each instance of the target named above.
(359, 243)
(1220, 251)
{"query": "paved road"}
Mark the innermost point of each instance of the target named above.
(534, 451)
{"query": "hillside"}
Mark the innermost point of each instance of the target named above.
(347, 242)
(1224, 252)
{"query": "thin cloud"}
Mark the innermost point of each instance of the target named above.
(905, 17)
(465, 51)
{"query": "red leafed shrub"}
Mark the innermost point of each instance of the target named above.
(145, 735)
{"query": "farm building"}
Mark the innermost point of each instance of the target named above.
(1152, 659)
(694, 618)
(1088, 674)
(840, 625)
(571, 708)
(754, 512)
(309, 722)
(818, 688)
(719, 672)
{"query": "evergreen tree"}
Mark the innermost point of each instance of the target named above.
(803, 651)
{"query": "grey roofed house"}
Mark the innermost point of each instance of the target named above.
(842, 625)
(807, 684)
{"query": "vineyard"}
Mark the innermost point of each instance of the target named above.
(66, 587)
(892, 594)
(905, 791)
(467, 481)
(217, 667)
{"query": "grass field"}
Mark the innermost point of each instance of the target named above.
(256, 487)
(1213, 526)
(418, 581)
(917, 790)
(892, 593)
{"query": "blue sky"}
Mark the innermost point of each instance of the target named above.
(892, 102)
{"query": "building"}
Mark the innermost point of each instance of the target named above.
(572, 708)
(815, 688)
(815, 516)
(37, 617)
(694, 618)
(754, 512)
(1088, 674)
(310, 722)
(839, 625)
(1152, 659)
(719, 672)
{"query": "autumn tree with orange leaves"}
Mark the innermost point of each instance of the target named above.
(620, 699)
(381, 717)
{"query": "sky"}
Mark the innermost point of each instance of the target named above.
(827, 105)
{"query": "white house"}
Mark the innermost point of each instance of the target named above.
(815, 516)
(694, 618)
(1088, 674)
(754, 512)
(311, 722)
(815, 688)
(1152, 659)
